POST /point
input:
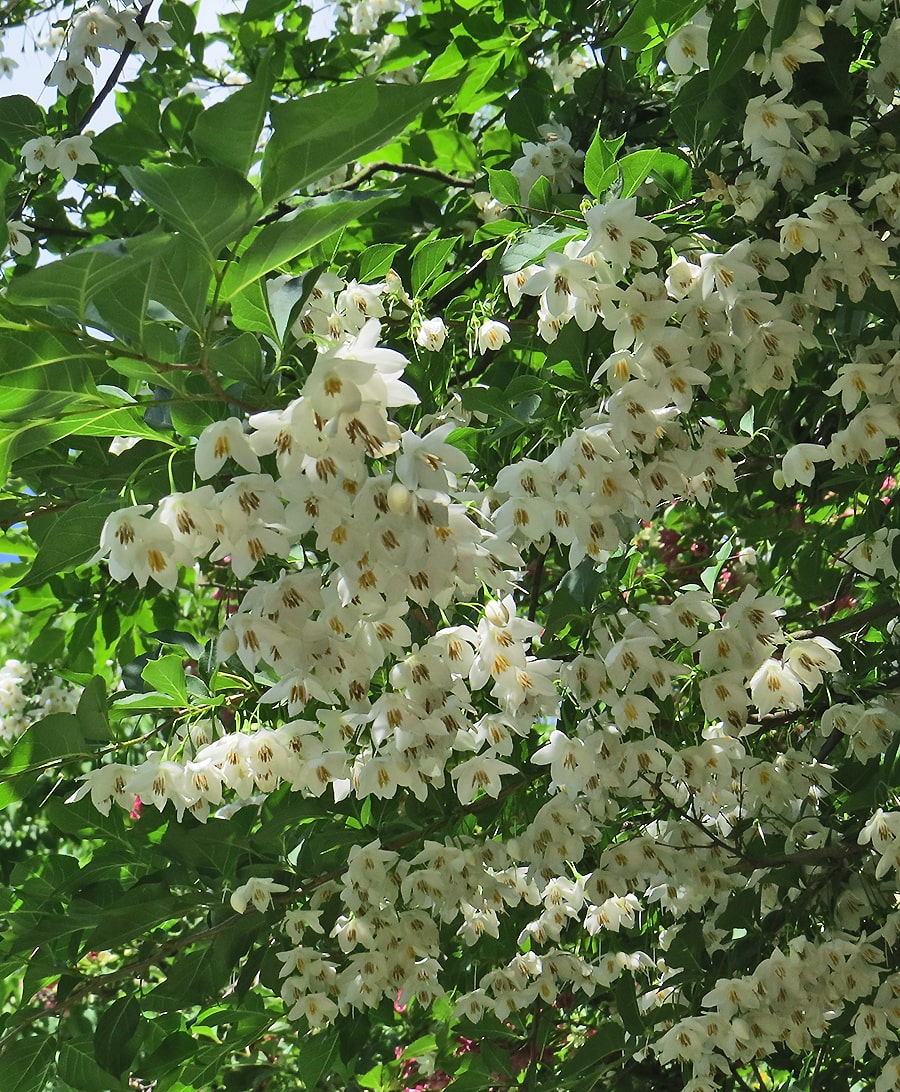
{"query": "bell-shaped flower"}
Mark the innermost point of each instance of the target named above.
(257, 893)
(139, 546)
(220, 441)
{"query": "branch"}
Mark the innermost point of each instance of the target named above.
(371, 169)
(836, 851)
(113, 79)
(852, 623)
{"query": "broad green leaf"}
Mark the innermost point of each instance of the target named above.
(142, 908)
(84, 283)
(429, 260)
(532, 246)
(297, 232)
(56, 736)
(180, 279)
(78, 1067)
(504, 187)
(639, 166)
(167, 676)
(250, 311)
(92, 712)
(193, 979)
(600, 170)
(319, 133)
(626, 1002)
(376, 260)
(18, 440)
(315, 1057)
(21, 119)
(650, 22)
(228, 132)
(211, 206)
(27, 1063)
(238, 358)
(116, 1038)
(69, 538)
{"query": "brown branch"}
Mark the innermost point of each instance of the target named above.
(116, 72)
(836, 851)
(415, 169)
(852, 623)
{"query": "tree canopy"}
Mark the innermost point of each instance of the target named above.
(450, 618)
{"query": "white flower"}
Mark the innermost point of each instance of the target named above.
(798, 465)
(68, 73)
(492, 335)
(72, 152)
(687, 47)
(220, 441)
(39, 153)
(432, 334)
(257, 893)
(19, 243)
(139, 546)
(775, 686)
(809, 658)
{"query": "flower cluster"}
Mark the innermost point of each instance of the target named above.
(27, 697)
(555, 160)
(103, 26)
(66, 155)
(380, 621)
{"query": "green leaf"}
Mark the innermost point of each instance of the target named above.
(315, 135)
(732, 39)
(238, 358)
(142, 908)
(167, 676)
(82, 283)
(250, 311)
(376, 260)
(27, 1063)
(193, 979)
(69, 539)
(600, 170)
(315, 1057)
(626, 1002)
(21, 119)
(78, 1068)
(429, 259)
(56, 736)
(92, 711)
(504, 187)
(298, 232)
(17, 441)
(211, 206)
(532, 246)
(179, 280)
(228, 132)
(639, 166)
(787, 16)
(650, 22)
